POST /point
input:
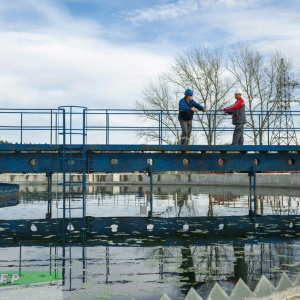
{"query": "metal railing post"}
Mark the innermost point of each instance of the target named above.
(23, 126)
(107, 127)
(160, 129)
(21, 131)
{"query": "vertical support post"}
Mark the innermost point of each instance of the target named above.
(209, 129)
(160, 128)
(150, 174)
(84, 171)
(253, 202)
(215, 127)
(50, 259)
(49, 185)
(56, 128)
(107, 264)
(260, 118)
(51, 125)
(69, 159)
(84, 264)
(55, 262)
(20, 260)
(161, 264)
(107, 127)
(64, 199)
(21, 132)
(268, 130)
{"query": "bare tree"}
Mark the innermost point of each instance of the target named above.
(200, 69)
(212, 74)
(158, 107)
(259, 77)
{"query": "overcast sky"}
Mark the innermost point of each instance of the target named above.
(101, 54)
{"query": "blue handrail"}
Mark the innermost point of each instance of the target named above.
(129, 126)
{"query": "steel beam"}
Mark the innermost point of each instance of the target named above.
(130, 158)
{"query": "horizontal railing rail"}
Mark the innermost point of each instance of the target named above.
(129, 126)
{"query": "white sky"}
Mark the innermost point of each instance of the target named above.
(101, 54)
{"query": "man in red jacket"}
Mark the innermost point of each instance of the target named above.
(237, 110)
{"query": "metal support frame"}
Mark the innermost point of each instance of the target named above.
(150, 174)
(253, 201)
(132, 158)
(49, 200)
(74, 159)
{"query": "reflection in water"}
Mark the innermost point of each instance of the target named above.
(121, 271)
(240, 267)
(187, 271)
(172, 204)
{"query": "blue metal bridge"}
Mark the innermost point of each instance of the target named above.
(36, 140)
(76, 140)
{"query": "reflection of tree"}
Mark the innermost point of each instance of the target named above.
(158, 255)
(187, 271)
(261, 202)
(202, 265)
(182, 201)
(270, 258)
(240, 267)
(210, 212)
(211, 259)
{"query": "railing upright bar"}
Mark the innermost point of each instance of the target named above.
(84, 169)
(107, 127)
(160, 128)
(25, 125)
(209, 127)
(260, 129)
(51, 125)
(57, 128)
(21, 128)
(268, 130)
(215, 127)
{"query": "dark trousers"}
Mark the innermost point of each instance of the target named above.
(186, 127)
(238, 135)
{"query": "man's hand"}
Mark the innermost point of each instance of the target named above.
(222, 108)
(193, 109)
(204, 109)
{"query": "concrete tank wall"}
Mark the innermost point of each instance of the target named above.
(233, 179)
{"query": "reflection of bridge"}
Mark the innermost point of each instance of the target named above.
(150, 231)
(120, 267)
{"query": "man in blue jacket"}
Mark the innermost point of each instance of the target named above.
(187, 108)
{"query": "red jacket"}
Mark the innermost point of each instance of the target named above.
(237, 110)
(238, 103)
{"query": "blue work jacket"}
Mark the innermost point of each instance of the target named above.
(185, 112)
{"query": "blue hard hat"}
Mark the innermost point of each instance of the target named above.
(188, 92)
